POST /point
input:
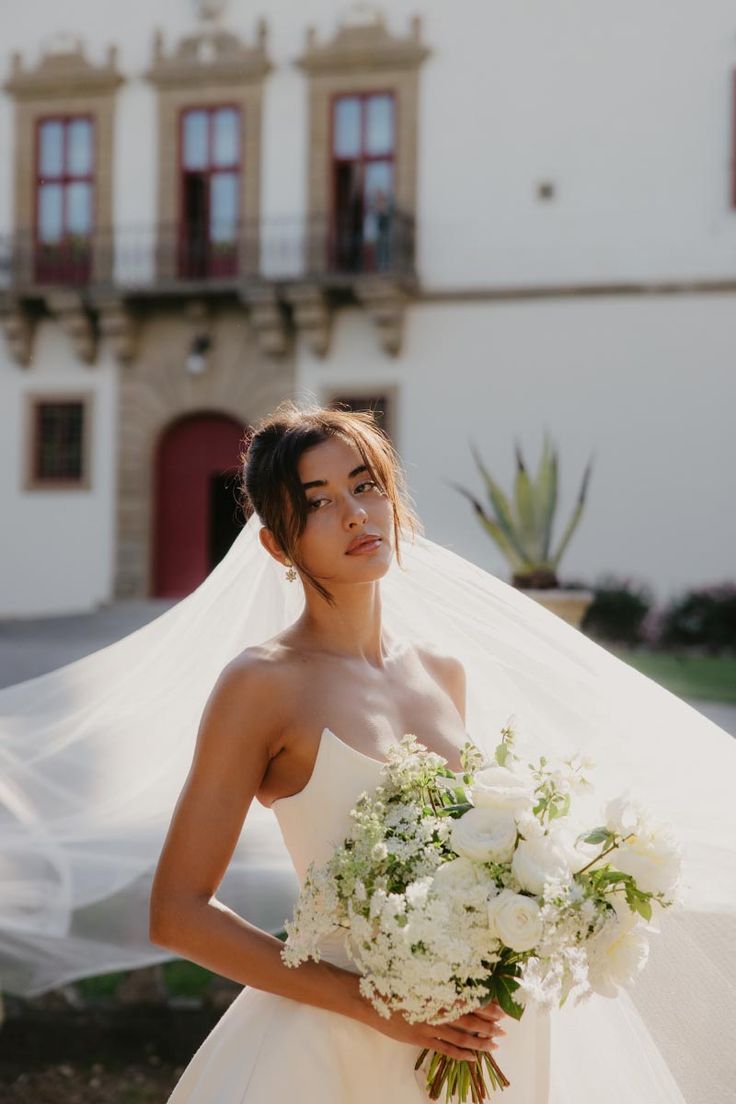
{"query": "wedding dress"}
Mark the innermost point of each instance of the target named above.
(94, 755)
(270, 1048)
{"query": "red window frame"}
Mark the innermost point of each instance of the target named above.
(69, 260)
(367, 259)
(201, 259)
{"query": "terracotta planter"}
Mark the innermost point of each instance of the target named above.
(570, 605)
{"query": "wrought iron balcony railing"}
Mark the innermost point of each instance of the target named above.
(166, 257)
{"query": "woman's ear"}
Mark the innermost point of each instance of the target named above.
(269, 542)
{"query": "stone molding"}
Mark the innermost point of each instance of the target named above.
(385, 302)
(19, 329)
(70, 311)
(267, 319)
(365, 46)
(65, 73)
(210, 57)
(312, 315)
(115, 324)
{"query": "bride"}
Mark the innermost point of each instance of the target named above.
(329, 494)
(256, 685)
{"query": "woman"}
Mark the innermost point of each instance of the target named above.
(331, 692)
(296, 692)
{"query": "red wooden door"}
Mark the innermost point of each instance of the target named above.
(196, 513)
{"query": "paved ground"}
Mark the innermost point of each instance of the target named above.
(31, 647)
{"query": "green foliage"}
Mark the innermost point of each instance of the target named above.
(618, 611)
(701, 618)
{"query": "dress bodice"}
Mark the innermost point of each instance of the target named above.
(316, 819)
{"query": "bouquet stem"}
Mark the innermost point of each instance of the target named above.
(462, 1076)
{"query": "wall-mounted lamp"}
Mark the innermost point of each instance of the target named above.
(196, 361)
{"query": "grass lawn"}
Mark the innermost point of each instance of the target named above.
(710, 678)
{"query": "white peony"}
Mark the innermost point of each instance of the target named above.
(653, 857)
(500, 788)
(617, 953)
(484, 834)
(538, 859)
(515, 920)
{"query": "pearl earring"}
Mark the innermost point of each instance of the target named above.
(291, 573)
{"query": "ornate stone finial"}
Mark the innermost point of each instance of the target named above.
(416, 28)
(261, 33)
(311, 37)
(16, 63)
(158, 44)
(211, 12)
(112, 56)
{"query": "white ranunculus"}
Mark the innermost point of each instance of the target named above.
(500, 788)
(535, 860)
(485, 835)
(617, 953)
(515, 920)
(653, 857)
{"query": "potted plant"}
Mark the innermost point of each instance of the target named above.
(522, 530)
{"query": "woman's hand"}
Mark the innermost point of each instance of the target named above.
(457, 1038)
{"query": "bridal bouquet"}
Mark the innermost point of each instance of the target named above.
(455, 889)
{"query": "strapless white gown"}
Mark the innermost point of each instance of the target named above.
(268, 1049)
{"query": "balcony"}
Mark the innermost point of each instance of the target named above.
(162, 260)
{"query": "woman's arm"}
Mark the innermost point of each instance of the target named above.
(234, 745)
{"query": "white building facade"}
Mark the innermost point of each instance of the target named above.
(486, 220)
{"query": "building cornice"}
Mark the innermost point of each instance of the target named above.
(211, 57)
(363, 46)
(64, 72)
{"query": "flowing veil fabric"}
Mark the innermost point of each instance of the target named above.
(94, 755)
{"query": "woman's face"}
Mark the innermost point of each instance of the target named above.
(343, 503)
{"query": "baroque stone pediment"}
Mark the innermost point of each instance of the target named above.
(365, 44)
(211, 56)
(63, 71)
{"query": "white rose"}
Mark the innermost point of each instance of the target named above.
(515, 920)
(653, 857)
(486, 835)
(456, 875)
(617, 953)
(536, 860)
(622, 815)
(500, 788)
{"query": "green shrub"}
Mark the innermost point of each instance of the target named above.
(617, 611)
(702, 618)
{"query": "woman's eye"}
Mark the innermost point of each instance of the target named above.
(315, 502)
(367, 483)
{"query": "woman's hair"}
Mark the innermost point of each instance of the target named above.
(270, 477)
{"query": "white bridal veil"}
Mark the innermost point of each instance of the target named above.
(94, 754)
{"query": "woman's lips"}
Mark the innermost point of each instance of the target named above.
(364, 546)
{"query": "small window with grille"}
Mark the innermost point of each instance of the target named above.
(58, 442)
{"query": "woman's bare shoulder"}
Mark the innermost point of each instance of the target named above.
(446, 669)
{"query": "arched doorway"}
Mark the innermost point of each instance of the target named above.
(196, 512)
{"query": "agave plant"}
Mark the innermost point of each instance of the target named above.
(523, 529)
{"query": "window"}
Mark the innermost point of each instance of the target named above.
(209, 192)
(363, 145)
(64, 199)
(58, 441)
